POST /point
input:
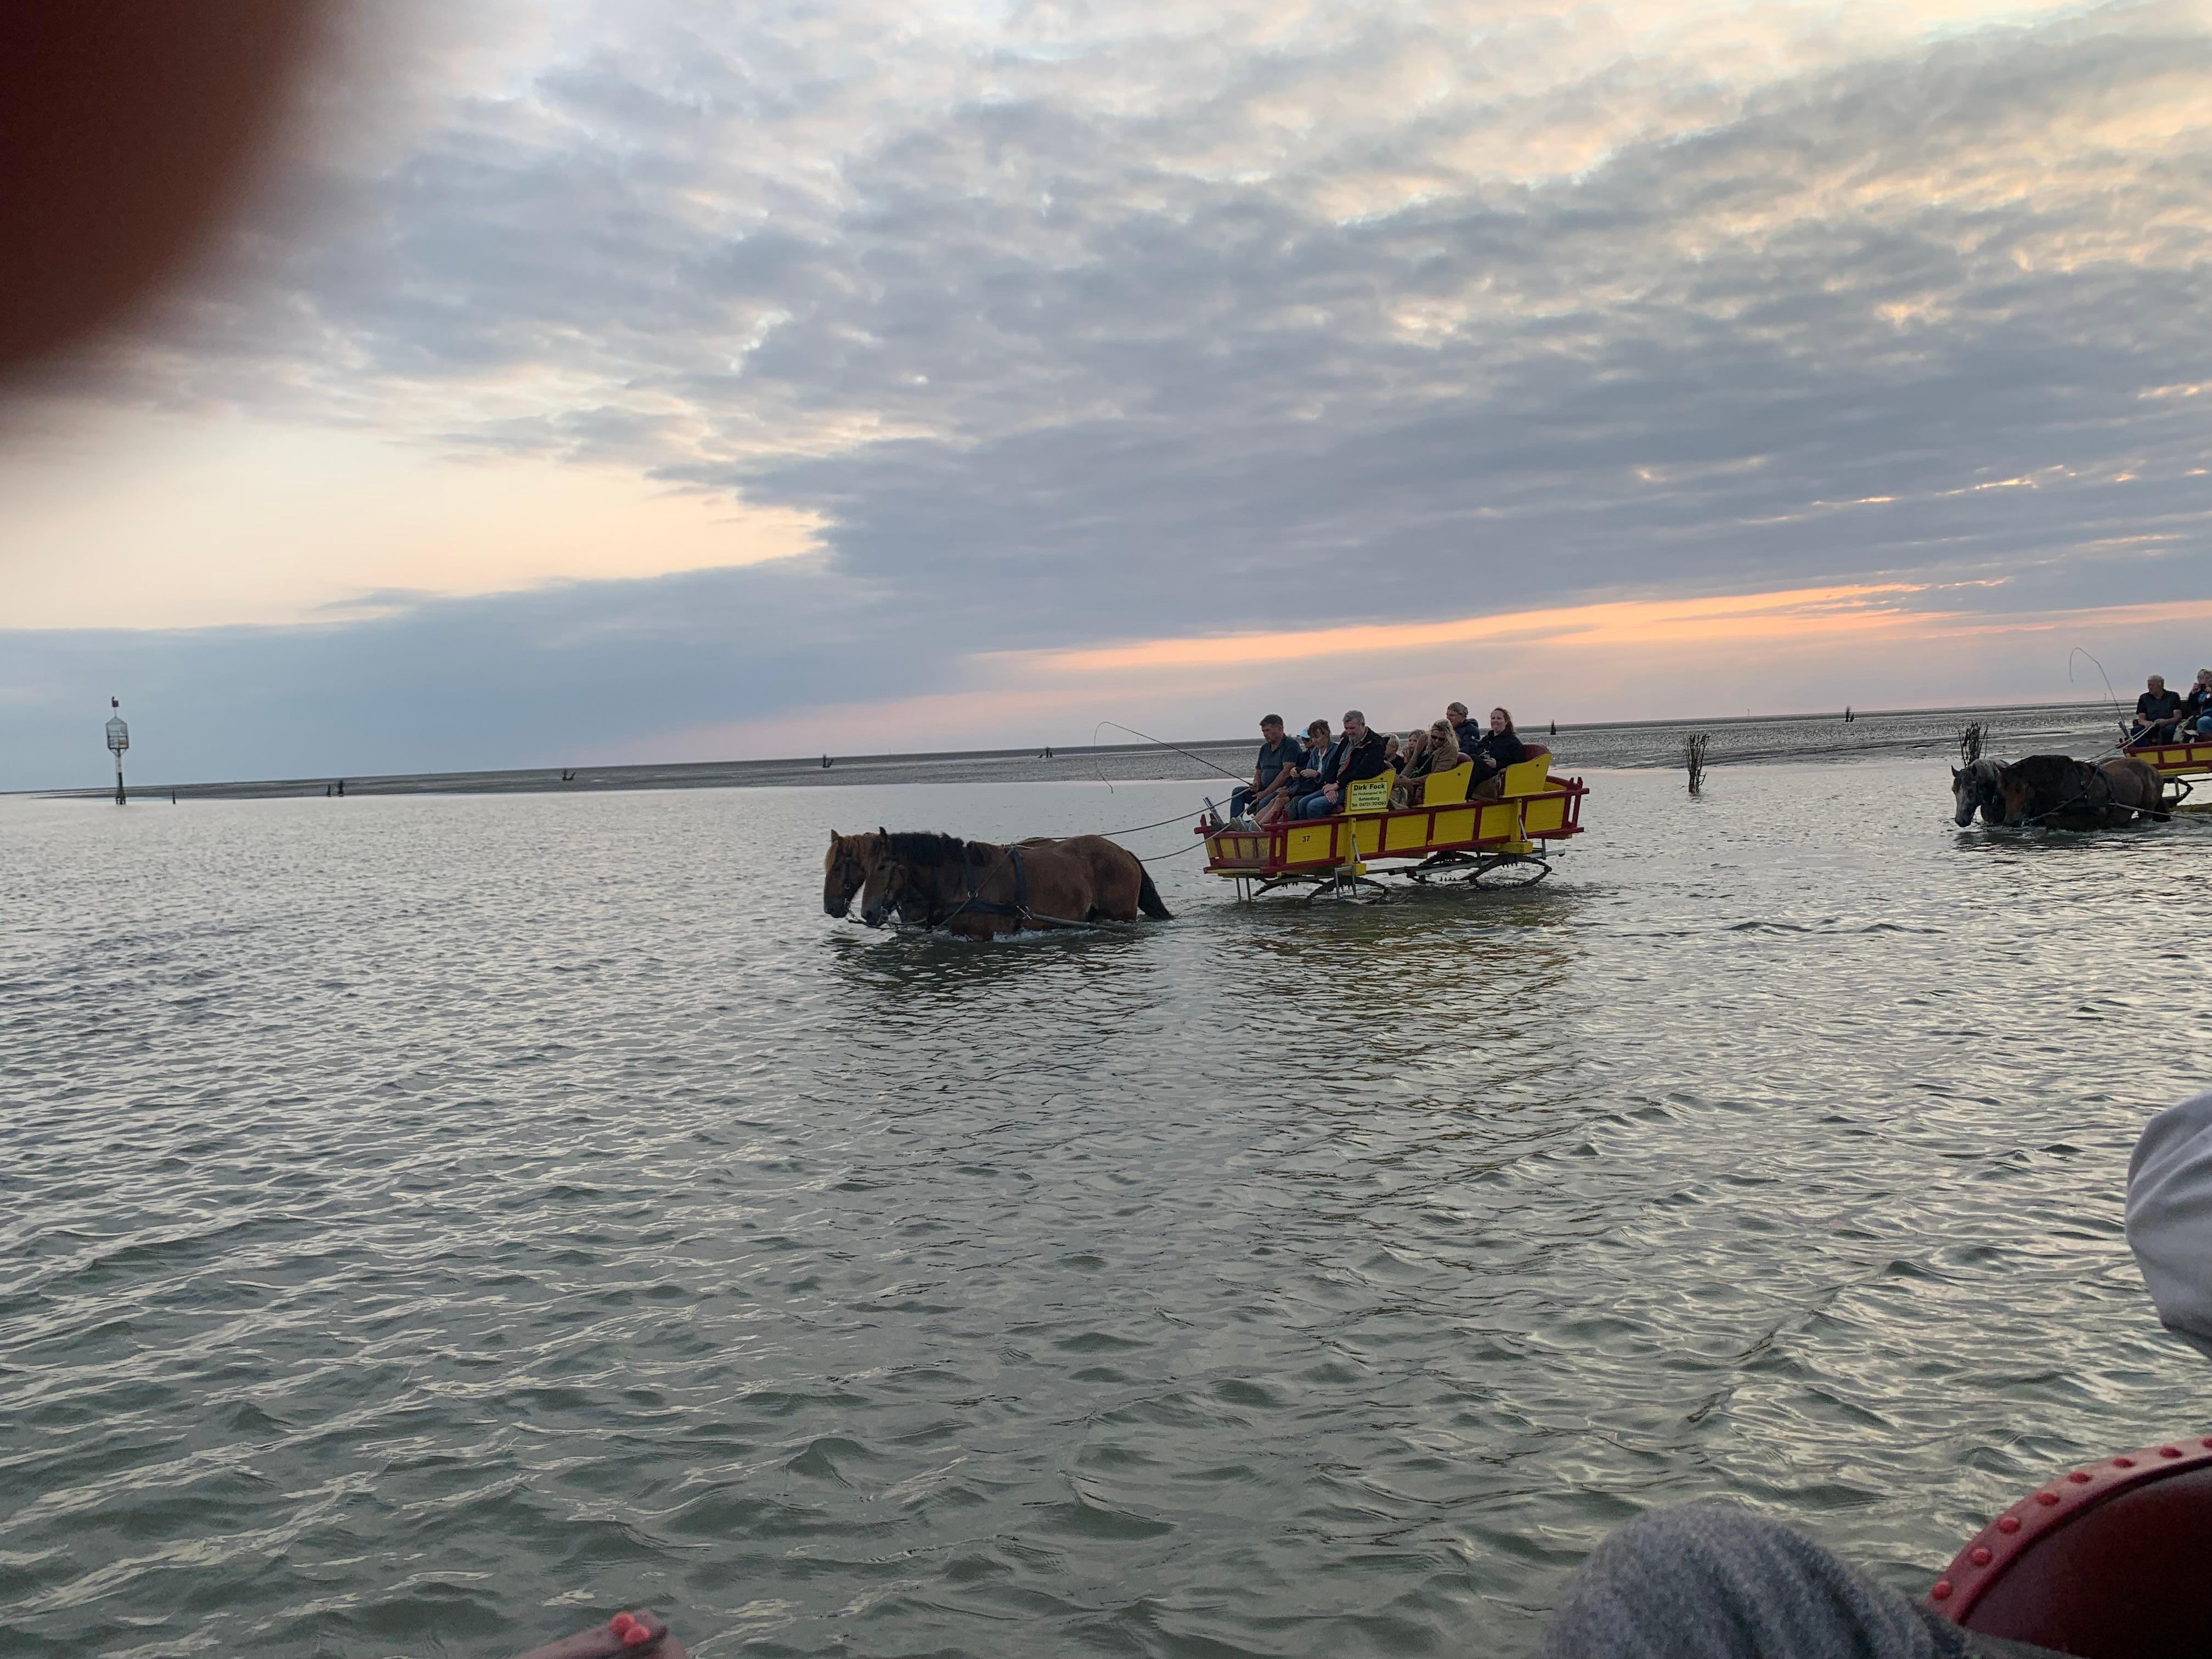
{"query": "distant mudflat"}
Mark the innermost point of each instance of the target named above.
(2081, 728)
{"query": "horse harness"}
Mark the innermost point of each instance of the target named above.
(2099, 775)
(1018, 911)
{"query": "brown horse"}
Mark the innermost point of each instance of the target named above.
(977, 889)
(2064, 794)
(846, 871)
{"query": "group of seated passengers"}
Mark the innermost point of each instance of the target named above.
(1308, 781)
(2164, 716)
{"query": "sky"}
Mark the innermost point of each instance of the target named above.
(594, 382)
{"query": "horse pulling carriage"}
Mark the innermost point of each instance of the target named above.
(1445, 837)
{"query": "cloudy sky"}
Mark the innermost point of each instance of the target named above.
(594, 382)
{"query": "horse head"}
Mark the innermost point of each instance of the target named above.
(1978, 788)
(886, 890)
(850, 863)
(1966, 796)
(917, 876)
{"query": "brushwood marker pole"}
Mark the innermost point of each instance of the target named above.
(119, 739)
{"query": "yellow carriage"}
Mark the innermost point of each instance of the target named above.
(2179, 763)
(1446, 836)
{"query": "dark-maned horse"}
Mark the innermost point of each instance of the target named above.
(1978, 788)
(977, 889)
(2064, 794)
(845, 872)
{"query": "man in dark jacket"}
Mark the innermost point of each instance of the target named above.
(1359, 756)
(1277, 755)
(2156, 712)
(1469, 732)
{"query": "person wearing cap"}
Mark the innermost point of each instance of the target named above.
(1715, 1581)
(1279, 756)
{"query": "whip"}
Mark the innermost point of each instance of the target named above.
(1232, 776)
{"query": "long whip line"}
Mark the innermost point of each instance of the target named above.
(2109, 694)
(1232, 776)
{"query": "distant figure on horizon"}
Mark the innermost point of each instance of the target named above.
(1847, 714)
(341, 788)
(825, 762)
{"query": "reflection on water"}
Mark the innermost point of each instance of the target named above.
(431, 1222)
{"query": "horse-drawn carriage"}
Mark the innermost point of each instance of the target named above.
(2179, 764)
(1445, 836)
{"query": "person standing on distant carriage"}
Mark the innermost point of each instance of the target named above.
(2157, 712)
(1494, 751)
(1356, 757)
(1279, 755)
(1465, 733)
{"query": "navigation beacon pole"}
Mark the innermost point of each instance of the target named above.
(119, 739)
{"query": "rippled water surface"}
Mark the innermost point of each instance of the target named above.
(432, 1223)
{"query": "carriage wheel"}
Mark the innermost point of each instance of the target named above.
(1519, 862)
(1350, 890)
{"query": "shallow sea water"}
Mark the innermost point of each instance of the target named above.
(432, 1223)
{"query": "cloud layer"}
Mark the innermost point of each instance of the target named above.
(1080, 327)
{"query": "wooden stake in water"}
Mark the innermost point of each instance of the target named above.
(1693, 758)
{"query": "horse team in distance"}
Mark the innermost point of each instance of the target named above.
(977, 889)
(2058, 791)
